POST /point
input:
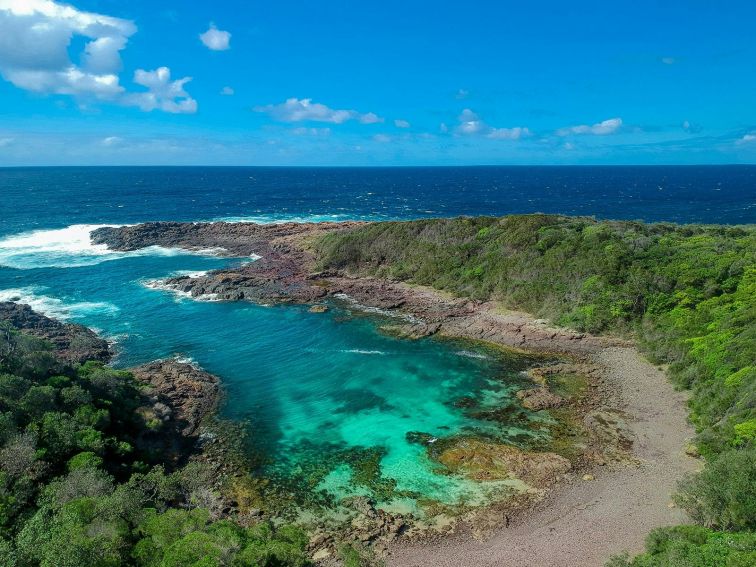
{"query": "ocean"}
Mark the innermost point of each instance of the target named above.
(326, 393)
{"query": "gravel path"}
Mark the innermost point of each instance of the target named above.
(586, 522)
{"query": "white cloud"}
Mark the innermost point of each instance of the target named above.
(6, 142)
(162, 93)
(462, 94)
(382, 138)
(215, 39)
(227, 91)
(470, 124)
(443, 128)
(668, 60)
(603, 128)
(401, 124)
(747, 139)
(34, 50)
(311, 131)
(507, 133)
(299, 110)
(111, 141)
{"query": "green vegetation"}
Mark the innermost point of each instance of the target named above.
(693, 546)
(686, 293)
(76, 490)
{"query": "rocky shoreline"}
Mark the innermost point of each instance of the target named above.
(588, 430)
(285, 272)
(73, 343)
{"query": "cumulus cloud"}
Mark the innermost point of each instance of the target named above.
(401, 124)
(162, 93)
(34, 51)
(470, 124)
(215, 39)
(300, 110)
(748, 139)
(603, 128)
(227, 91)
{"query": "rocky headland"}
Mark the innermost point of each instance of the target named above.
(72, 343)
(177, 397)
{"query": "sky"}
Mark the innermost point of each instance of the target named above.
(410, 82)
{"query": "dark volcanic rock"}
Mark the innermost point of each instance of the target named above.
(281, 274)
(275, 278)
(236, 239)
(181, 395)
(72, 343)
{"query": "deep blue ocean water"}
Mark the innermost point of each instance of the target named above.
(312, 385)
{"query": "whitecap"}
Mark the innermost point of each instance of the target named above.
(184, 359)
(179, 294)
(57, 308)
(72, 247)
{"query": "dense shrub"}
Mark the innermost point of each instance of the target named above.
(723, 495)
(693, 546)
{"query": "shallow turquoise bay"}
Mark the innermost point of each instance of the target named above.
(314, 388)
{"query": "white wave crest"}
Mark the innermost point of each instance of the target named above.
(178, 294)
(184, 359)
(54, 307)
(72, 247)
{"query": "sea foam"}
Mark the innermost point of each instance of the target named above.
(55, 307)
(71, 247)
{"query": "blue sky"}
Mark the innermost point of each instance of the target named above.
(377, 83)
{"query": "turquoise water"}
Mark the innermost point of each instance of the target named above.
(321, 392)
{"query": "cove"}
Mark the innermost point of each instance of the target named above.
(334, 406)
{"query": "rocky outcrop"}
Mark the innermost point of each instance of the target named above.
(228, 239)
(537, 399)
(181, 396)
(72, 343)
(482, 460)
(274, 278)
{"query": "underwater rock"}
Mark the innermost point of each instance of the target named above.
(72, 343)
(480, 460)
(318, 309)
